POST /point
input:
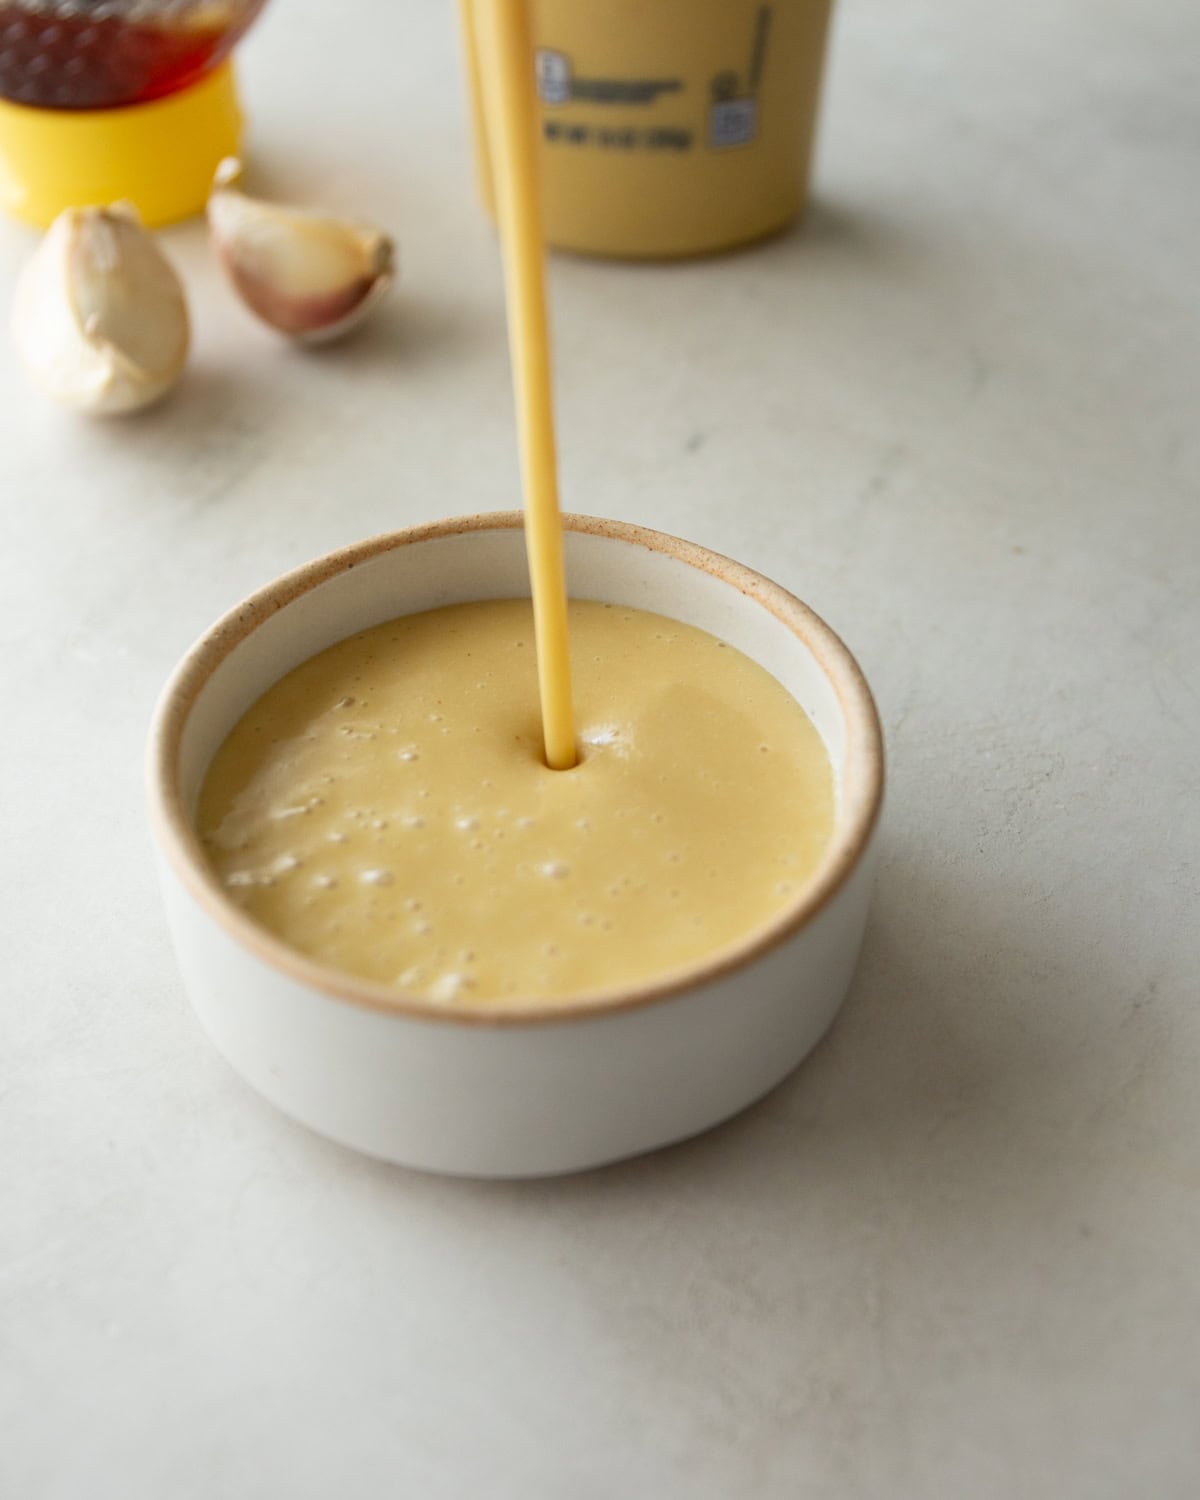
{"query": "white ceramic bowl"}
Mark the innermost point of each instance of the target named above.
(513, 1091)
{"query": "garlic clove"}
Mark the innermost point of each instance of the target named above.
(308, 276)
(100, 320)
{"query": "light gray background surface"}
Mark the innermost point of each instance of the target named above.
(956, 1255)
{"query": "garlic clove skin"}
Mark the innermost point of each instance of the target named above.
(308, 276)
(100, 320)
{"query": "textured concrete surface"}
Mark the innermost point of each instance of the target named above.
(956, 1254)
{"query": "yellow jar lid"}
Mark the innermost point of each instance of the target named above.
(158, 156)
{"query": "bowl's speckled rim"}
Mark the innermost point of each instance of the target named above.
(858, 813)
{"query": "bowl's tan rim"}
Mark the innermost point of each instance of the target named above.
(862, 776)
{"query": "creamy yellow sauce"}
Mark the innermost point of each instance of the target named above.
(385, 808)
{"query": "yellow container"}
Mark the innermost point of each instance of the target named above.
(158, 156)
(669, 127)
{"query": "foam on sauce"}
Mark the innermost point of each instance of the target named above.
(385, 808)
